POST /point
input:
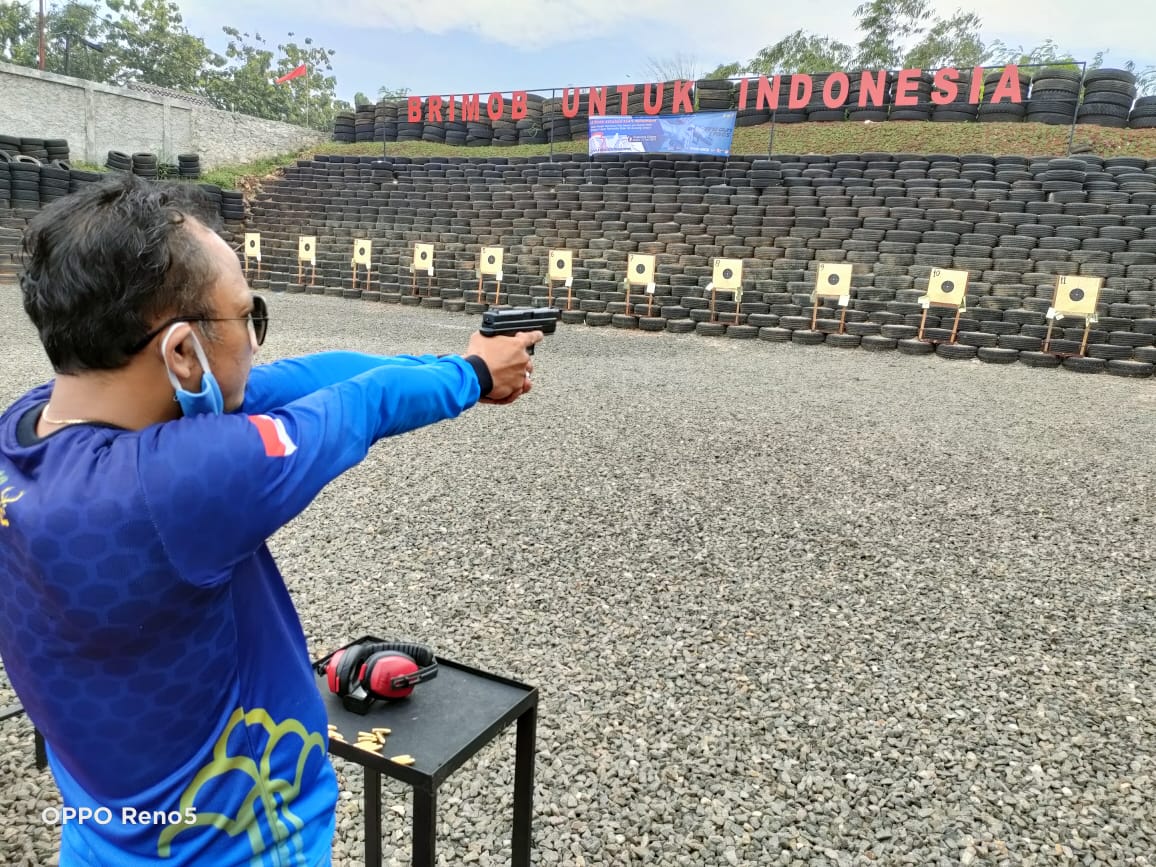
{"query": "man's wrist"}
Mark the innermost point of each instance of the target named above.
(485, 378)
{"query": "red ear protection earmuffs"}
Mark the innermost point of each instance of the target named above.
(378, 669)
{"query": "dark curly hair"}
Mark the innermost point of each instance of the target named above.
(105, 263)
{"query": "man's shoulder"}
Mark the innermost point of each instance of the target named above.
(12, 413)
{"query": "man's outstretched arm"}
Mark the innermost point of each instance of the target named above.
(281, 382)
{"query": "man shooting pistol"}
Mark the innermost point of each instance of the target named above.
(517, 320)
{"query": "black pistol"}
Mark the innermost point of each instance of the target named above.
(515, 320)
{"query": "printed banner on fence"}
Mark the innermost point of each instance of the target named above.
(708, 133)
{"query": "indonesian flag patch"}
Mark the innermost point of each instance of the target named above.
(277, 442)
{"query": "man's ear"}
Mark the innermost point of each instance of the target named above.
(178, 354)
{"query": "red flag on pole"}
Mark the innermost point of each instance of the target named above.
(296, 73)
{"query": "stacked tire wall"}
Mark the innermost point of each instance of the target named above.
(1101, 97)
(1014, 223)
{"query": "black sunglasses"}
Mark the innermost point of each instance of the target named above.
(258, 318)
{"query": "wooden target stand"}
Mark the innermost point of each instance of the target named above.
(253, 251)
(1074, 296)
(307, 252)
(561, 268)
(490, 265)
(363, 255)
(640, 272)
(423, 260)
(833, 280)
(945, 288)
(727, 277)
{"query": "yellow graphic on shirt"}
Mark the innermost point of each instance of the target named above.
(264, 788)
(7, 498)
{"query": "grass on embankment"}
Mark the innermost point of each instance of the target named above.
(847, 137)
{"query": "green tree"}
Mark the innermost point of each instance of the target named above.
(384, 92)
(147, 42)
(908, 34)
(725, 70)
(803, 52)
(75, 36)
(19, 43)
(245, 81)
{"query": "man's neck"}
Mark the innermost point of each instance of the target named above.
(122, 399)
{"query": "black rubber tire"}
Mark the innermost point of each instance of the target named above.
(775, 334)
(877, 343)
(1122, 367)
(807, 337)
(572, 317)
(742, 332)
(710, 329)
(1040, 359)
(844, 341)
(997, 355)
(912, 346)
(1083, 364)
(597, 319)
(623, 320)
(956, 351)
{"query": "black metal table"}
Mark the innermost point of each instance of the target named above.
(441, 725)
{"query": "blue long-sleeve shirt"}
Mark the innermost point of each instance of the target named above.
(146, 628)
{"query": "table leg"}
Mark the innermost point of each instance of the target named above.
(372, 817)
(424, 827)
(524, 786)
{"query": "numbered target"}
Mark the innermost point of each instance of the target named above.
(728, 274)
(490, 261)
(561, 264)
(362, 251)
(640, 269)
(423, 257)
(833, 279)
(947, 288)
(1076, 296)
(253, 245)
(307, 249)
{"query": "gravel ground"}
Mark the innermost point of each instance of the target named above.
(786, 605)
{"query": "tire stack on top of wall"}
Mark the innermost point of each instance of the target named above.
(363, 122)
(1108, 96)
(407, 130)
(960, 110)
(1003, 111)
(869, 112)
(345, 127)
(532, 127)
(555, 124)
(1054, 96)
(1143, 114)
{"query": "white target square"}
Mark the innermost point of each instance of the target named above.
(728, 274)
(253, 245)
(1076, 296)
(947, 288)
(362, 252)
(561, 264)
(307, 249)
(490, 261)
(423, 257)
(833, 279)
(640, 269)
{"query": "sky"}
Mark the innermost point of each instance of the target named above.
(467, 46)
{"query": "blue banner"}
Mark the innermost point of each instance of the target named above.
(708, 133)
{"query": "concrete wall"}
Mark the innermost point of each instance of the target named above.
(96, 118)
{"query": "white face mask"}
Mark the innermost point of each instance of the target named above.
(209, 399)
